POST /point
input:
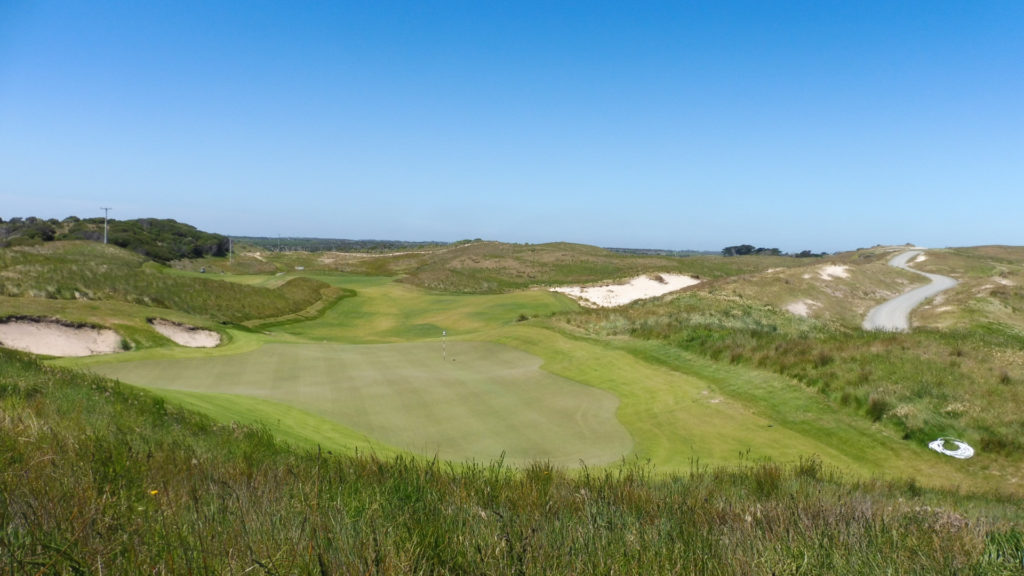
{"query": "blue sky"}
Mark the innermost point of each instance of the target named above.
(688, 125)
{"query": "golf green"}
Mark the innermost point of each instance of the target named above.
(467, 400)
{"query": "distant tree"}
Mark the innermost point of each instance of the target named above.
(741, 250)
(747, 249)
(808, 254)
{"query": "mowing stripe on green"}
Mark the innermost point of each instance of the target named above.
(478, 402)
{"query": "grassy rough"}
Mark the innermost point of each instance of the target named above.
(496, 267)
(927, 383)
(98, 477)
(86, 271)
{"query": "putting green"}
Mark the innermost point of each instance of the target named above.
(479, 401)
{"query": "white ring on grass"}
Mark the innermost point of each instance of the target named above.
(963, 450)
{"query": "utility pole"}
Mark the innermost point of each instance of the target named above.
(106, 212)
(231, 253)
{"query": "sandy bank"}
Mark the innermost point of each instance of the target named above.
(183, 335)
(639, 288)
(54, 338)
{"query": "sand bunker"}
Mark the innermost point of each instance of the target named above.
(834, 271)
(54, 338)
(183, 335)
(639, 288)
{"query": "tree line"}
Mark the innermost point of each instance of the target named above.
(750, 250)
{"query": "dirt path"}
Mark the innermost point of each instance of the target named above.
(894, 315)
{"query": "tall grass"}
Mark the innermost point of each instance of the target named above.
(98, 477)
(926, 384)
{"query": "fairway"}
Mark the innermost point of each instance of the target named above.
(479, 401)
(370, 374)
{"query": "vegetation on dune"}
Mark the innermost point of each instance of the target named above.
(494, 267)
(927, 383)
(91, 271)
(159, 239)
(480, 267)
(99, 477)
(991, 290)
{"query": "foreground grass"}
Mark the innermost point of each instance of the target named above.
(98, 477)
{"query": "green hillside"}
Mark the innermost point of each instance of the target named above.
(482, 267)
(87, 272)
(439, 411)
(99, 477)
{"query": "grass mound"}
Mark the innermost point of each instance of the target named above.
(495, 267)
(925, 384)
(91, 271)
(97, 476)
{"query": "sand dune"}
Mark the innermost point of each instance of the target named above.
(639, 288)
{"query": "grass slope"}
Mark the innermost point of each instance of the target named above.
(99, 477)
(91, 271)
(678, 408)
(694, 372)
(962, 382)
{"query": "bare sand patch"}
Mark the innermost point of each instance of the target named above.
(801, 307)
(55, 338)
(834, 271)
(184, 335)
(639, 288)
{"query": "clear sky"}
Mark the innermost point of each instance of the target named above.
(821, 125)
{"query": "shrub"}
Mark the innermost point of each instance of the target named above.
(878, 406)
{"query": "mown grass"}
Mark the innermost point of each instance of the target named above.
(91, 271)
(474, 401)
(98, 477)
